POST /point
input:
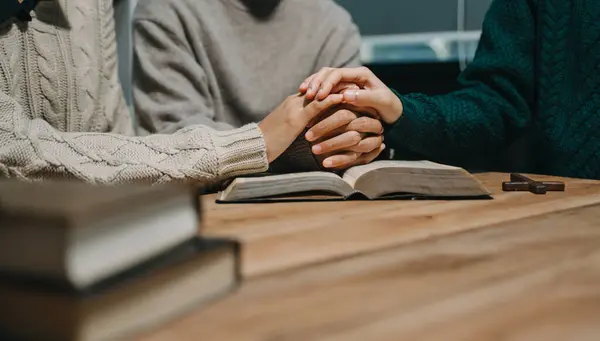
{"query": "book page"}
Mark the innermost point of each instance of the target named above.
(354, 173)
(274, 185)
(416, 177)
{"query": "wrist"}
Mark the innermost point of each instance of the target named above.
(268, 143)
(396, 108)
(230, 144)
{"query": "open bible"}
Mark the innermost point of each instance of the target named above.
(378, 180)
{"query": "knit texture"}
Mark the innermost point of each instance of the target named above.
(63, 115)
(226, 63)
(535, 77)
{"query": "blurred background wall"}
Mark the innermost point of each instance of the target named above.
(418, 46)
(376, 17)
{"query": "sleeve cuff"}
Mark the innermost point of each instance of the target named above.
(408, 129)
(240, 151)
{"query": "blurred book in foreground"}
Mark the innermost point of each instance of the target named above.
(85, 262)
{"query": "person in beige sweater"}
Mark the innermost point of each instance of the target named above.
(63, 115)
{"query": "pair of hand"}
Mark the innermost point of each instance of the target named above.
(341, 138)
(361, 90)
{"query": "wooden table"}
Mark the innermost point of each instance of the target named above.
(519, 267)
(281, 236)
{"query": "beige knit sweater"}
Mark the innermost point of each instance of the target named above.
(62, 112)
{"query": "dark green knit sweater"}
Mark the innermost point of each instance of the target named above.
(536, 73)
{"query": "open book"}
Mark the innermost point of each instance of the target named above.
(378, 180)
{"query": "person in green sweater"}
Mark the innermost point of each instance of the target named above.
(536, 73)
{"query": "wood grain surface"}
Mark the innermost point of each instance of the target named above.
(282, 236)
(534, 278)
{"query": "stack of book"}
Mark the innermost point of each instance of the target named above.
(83, 262)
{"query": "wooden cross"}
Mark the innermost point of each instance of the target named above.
(521, 183)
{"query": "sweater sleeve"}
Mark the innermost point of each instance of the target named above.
(493, 106)
(170, 88)
(34, 150)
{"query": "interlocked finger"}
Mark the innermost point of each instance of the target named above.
(368, 144)
(338, 143)
(330, 124)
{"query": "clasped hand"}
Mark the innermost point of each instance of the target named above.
(340, 135)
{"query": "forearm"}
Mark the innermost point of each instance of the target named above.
(455, 127)
(33, 150)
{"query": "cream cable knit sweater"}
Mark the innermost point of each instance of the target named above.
(62, 112)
